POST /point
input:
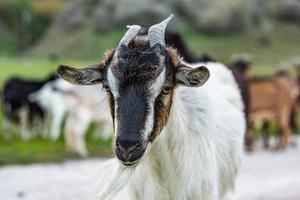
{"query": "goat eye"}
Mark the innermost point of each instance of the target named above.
(167, 90)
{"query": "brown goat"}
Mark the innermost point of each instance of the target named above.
(273, 99)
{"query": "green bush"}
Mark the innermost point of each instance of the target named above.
(21, 25)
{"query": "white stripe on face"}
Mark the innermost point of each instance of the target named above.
(113, 85)
(155, 88)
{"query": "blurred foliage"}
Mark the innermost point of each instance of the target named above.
(32, 68)
(283, 43)
(49, 7)
(25, 22)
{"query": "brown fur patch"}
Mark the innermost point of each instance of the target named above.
(174, 57)
(162, 113)
(106, 58)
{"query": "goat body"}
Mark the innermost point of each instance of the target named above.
(179, 129)
(198, 154)
(273, 99)
(17, 106)
(62, 99)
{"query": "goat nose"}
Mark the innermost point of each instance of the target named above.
(129, 148)
(127, 145)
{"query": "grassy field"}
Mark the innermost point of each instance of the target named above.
(285, 43)
(33, 67)
(14, 150)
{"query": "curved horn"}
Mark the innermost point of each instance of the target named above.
(156, 32)
(130, 34)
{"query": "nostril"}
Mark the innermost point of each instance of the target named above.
(127, 146)
(118, 146)
(133, 148)
(137, 146)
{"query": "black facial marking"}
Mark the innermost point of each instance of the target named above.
(135, 70)
(132, 109)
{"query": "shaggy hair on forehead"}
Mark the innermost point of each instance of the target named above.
(173, 54)
(138, 62)
(106, 58)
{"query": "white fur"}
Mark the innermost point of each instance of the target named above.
(79, 104)
(198, 153)
(156, 88)
(54, 103)
(113, 83)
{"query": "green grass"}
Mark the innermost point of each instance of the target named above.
(14, 150)
(18, 151)
(33, 67)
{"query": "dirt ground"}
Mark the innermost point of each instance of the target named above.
(265, 175)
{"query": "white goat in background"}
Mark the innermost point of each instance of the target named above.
(179, 128)
(62, 99)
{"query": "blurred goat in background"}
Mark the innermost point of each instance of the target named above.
(17, 106)
(62, 99)
(267, 99)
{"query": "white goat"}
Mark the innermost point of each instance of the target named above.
(60, 98)
(198, 153)
(174, 139)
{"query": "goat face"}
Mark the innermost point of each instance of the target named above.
(140, 81)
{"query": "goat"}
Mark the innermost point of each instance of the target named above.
(17, 106)
(273, 99)
(266, 100)
(174, 138)
(59, 99)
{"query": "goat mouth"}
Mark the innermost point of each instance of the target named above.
(132, 160)
(128, 163)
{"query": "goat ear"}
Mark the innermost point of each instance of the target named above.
(192, 77)
(90, 75)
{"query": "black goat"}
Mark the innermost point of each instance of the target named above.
(15, 99)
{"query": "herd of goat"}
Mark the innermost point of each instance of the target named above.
(266, 100)
(177, 121)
